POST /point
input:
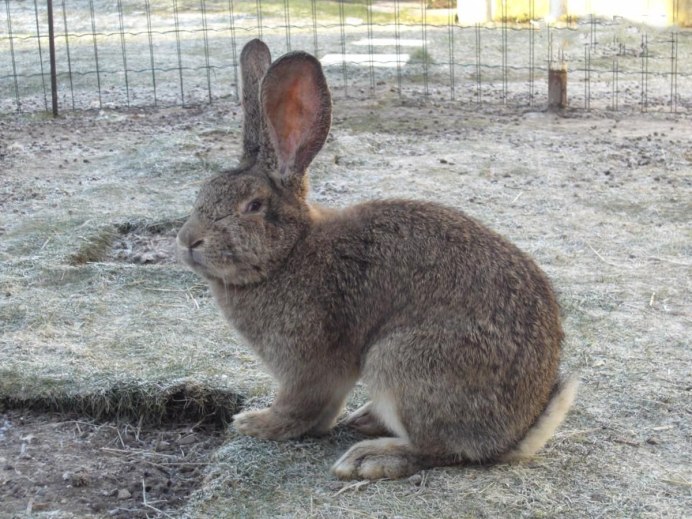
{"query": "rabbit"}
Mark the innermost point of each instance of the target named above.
(455, 332)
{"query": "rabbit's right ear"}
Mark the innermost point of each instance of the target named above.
(297, 109)
(255, 59)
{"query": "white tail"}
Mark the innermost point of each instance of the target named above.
(548, 422)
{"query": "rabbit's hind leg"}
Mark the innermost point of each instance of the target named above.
(384, 457)
(366, 421)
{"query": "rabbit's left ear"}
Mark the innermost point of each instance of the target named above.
(297, 108)
(255, 59)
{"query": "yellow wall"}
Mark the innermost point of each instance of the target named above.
(651, 12)
(519, 9)
(685, 13)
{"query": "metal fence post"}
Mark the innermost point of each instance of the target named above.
(51, 51)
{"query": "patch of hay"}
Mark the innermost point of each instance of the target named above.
(149, 403)
(94, 248)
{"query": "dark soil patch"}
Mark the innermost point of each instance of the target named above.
(145, 249)
(70, 465)
(146, 243)
(142, 243)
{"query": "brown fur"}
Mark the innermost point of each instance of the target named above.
(455, 331)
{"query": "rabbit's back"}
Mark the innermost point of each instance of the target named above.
(407, 262)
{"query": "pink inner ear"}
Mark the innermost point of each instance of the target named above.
(291, 107)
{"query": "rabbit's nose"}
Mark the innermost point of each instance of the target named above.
(188, 239)
(185, 241)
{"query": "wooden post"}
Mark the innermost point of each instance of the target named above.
(557, 88)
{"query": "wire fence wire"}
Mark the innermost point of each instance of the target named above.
(142, 53)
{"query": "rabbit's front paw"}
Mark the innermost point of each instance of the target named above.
(254, 423)
(264, 424)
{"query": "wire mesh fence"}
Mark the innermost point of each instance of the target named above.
(124, 53)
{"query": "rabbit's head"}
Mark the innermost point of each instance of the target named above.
(247, 220)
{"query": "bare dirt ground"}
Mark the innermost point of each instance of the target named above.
(84, 468)
(90, 300)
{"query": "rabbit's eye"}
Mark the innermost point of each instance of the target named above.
(254, 206)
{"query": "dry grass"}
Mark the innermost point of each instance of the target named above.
(139, 401)
(601, 202)
(94, 248)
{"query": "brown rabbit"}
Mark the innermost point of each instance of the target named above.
(454, 330)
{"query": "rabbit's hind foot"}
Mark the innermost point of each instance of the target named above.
(390, 458)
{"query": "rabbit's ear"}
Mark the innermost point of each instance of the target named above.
(297, 109)
(255, 59)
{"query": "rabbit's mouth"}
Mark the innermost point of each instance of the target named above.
(193, 258)
(232, 273)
